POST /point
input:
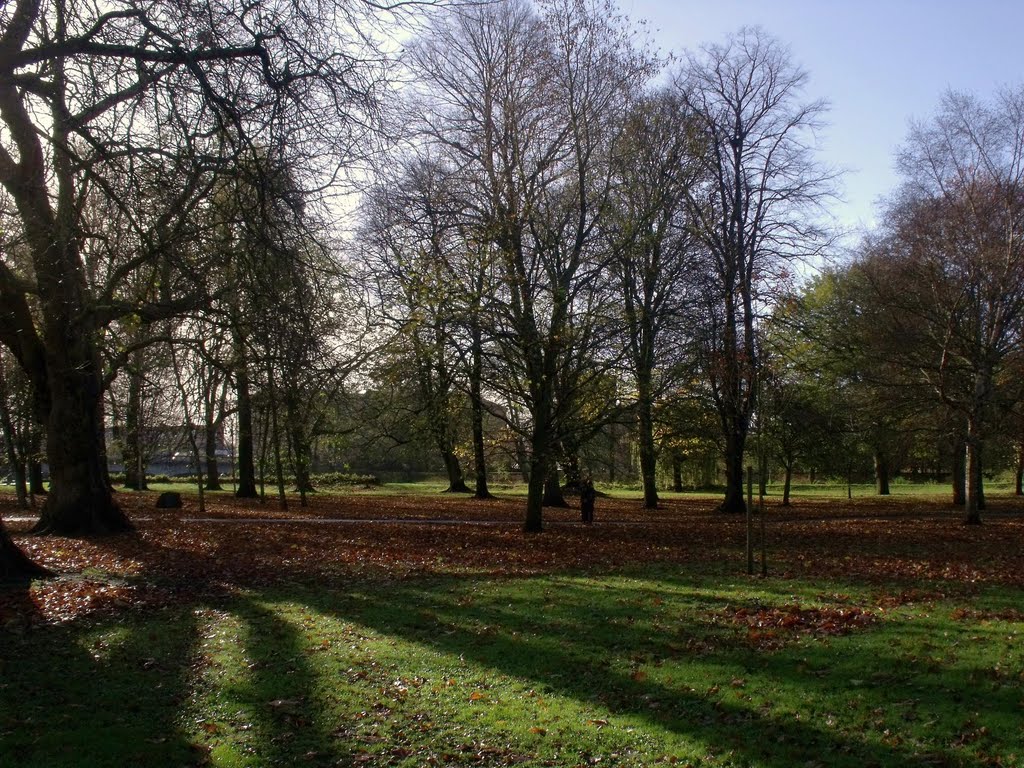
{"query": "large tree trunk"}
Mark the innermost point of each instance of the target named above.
(648, 455)
(80, 500)
(59, 353)
(535, 497)
(36, 484)
(881, 473)
(541, 463)
(246, 448)
(14, 564)
(553, 490)
(733, 502)
(452, 467)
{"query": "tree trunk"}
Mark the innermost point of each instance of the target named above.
(523, 460)
(275, 427)
(15, 461)
(980, 479)
(246, 449)
(974, 502)
(573, 474)
(476, 404)
(959, 476)
(80, 500)
(33, 459)
(300, 450)
(21, 483)
(60, 357)
(553, 490)
(733, 502)
(762, 475)
(134, 458)
(881, 473)
(648, 455)
(210, 451)
(787, 484)
(535, 496)
(1018, 479)
(677, 473)
(541, 464)
(15, 564)
(36, 484)
(452, 467)
(613, 453)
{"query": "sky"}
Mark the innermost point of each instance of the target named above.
(879, 63)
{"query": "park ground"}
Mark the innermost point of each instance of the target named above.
(400, 628)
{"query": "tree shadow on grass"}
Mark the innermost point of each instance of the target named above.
(608, 645)
(104, 693)
(547, 645)
(276, 708)
(217, 675)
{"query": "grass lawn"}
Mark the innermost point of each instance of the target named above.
(819, 490)
(197, 655)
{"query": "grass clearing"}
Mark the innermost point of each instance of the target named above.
(373, 630)
(900, 489)
(652, 666)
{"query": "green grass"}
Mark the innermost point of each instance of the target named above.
(830, 490)
(900, 490)
(634, 669)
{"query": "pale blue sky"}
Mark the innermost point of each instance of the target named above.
(878, 63)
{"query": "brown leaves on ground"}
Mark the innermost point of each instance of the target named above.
(770, 626)
(241, 543)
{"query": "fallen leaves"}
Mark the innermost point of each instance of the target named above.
(770, 626)
(238, 544)
(1012, 615)
(69, 598)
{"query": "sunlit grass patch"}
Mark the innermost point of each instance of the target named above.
(629, 670)
(654, 666)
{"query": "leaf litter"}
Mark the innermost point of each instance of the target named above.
(239, 544)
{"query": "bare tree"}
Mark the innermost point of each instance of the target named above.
(654, 256)
(754, 212)
(528, 105)
(414, 246)
(145, 104)
(950, 265)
